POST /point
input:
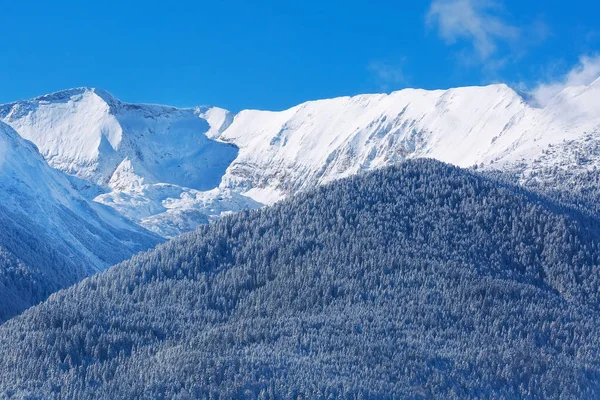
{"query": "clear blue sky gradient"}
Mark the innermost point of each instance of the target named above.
(271, 54)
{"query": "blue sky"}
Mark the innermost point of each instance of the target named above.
(275, 54)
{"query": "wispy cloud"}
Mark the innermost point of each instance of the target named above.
(483, 33)
(584, 73)
(387, 75)
(476, 21)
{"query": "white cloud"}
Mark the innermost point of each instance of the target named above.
(584, 73)
(387, 75)
(474, 20)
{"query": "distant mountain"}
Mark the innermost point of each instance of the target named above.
(417, 281)
(170, 169)
(489, 127)
(50, 236)
(155, 164)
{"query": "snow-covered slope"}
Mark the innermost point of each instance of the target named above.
(170, 169)
(151, 162)
(50, 235)
(168, 209)
(319, 141)
(550, 135)
(90, 134)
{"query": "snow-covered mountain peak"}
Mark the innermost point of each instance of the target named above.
(156, 163)
(322, 140)
(70, 128)
(22, 108)
(132, 150)
(88, 133)
(62, 95)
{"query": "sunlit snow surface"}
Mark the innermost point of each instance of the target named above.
(170, 169)
(319, 141)
(154, 164)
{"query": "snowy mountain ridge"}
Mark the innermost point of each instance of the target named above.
(88, 133)
(128, 151)
(169, 169)
(491, 127)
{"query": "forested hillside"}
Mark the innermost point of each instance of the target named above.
(416, 281)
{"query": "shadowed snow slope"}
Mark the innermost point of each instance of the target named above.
(51, 236)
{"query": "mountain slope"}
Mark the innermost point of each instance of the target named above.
(159, 164)
(491, 127)
(320, 141)
(89, 133)
(421, 281)
(51, 237)
(132, 151)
